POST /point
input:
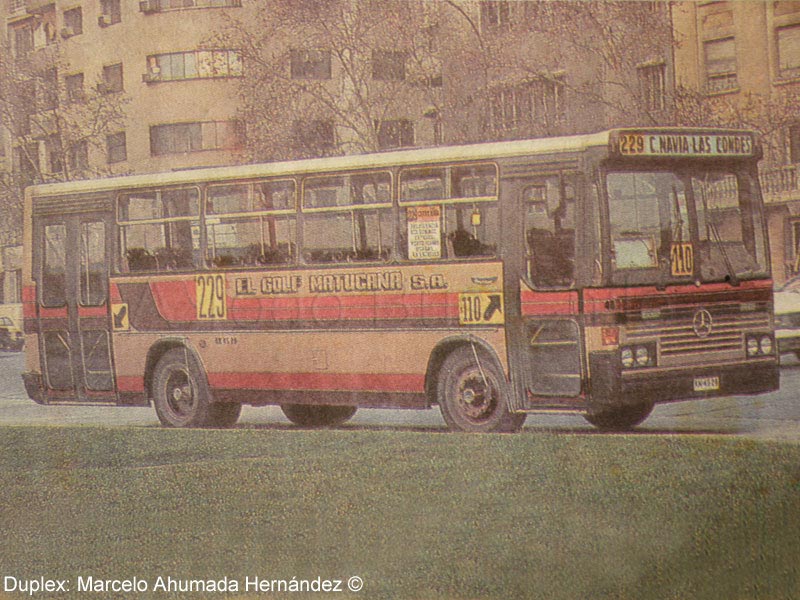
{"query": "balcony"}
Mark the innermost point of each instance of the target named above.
(17, 7)
(780, 183)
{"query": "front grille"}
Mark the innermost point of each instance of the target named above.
(673, 329)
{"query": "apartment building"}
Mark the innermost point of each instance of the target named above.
(178, 99)
(744, 58)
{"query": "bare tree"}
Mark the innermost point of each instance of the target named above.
(335, 76)
(53, 124)
(567, 66)
(771, 113)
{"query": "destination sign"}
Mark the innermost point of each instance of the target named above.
(671, 144)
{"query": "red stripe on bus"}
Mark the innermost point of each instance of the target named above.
(53, 313)
(93, 311)
(130, 383)
(176, 301)
(29, 310)
(549, 303)
(615, 299)
(387, 306)
(113, 293)
(351, 382)
(29, 293)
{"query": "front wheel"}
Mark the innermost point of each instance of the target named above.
(317, 415)
(619, 418)
(473, 394)
(180, 391)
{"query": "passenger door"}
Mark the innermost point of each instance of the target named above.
(548, 297)
(74, 326)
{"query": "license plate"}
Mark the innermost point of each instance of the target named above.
(706, 384)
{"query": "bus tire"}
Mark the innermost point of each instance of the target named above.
(180, 391)
(317, 415)
(224, 414)
(619, 418)
(474, 397)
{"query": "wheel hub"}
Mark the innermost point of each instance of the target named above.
(476, 397)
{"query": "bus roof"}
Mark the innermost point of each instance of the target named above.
(486, 151)
(435, 154)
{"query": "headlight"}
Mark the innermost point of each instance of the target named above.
(752, 346)
(642, 356)
(765, 344)
(626, 356)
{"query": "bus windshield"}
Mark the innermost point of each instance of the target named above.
(673, 225)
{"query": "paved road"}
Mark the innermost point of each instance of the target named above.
(772, 416)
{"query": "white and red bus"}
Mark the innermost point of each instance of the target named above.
(600, 273)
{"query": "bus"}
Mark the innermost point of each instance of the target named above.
(599, 273)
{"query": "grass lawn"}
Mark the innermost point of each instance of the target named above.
(415, 515)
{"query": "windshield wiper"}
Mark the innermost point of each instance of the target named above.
(712, 227)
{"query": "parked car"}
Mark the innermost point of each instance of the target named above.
(787, 317)
(10, 335)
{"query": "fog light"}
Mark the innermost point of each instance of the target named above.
(766, 345)
(752, 346)
(642, 356)
(626, 356)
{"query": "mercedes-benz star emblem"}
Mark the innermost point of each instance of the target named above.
(702, 323)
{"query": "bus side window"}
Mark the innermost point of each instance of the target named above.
(550, 233)
(53, 285)
(347, 219)
(159, 230)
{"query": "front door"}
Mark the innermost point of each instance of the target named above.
(72, 283)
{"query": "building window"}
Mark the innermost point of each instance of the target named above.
(652, 81)
(316, 137)
(74, 87)
(794, 252)
(388, 65)
(395, 133)
(536, 102)
(720, 56)
(176, 138)
(110, 13)
(112, 79)
(195, 64)
(55, 158)
(73, 22)
(150, 6)
(789, 51)
(78, 157)
(27, 163)
(22, 38)
(310, 64)
(35, 33)
(495, 14)
(47, 90)
(116, 147)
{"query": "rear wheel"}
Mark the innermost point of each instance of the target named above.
(317, 415)
(182, 397)
(619, 418)
(473, 394)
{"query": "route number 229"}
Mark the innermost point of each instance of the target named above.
(211, 299)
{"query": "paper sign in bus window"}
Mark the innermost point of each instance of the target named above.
(635, 253)
(424, 232)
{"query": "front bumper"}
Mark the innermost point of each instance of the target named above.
(610, 386)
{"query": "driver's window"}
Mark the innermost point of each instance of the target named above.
(549, 206)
